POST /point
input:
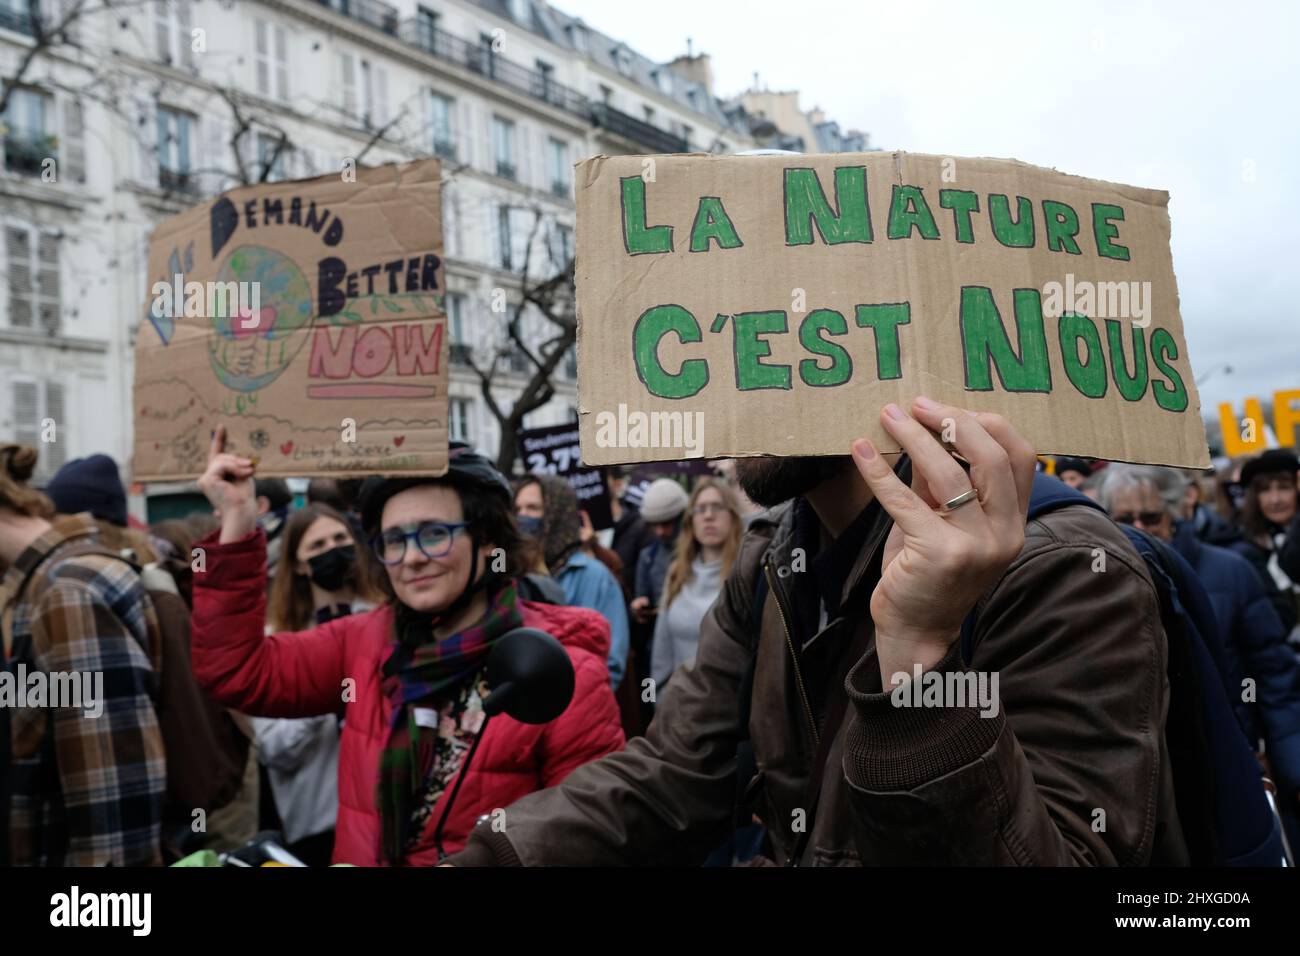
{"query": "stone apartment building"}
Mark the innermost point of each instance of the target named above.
(121, 120)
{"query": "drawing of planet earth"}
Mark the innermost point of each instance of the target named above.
(250, 351)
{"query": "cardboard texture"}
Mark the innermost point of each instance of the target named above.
(328, 353)
(554, 451)
(750, 305)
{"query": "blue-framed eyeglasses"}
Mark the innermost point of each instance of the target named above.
(433, 538)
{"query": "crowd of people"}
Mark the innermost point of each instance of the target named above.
(319, 671)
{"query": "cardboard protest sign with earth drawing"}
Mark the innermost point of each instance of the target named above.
(308, 317)
(773, 304)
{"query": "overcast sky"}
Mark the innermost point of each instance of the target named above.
(1199, 99)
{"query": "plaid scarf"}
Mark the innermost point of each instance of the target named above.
(422, 669)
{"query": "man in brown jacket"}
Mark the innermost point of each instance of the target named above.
(869, 582)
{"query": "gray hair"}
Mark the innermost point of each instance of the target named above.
(1169, 483)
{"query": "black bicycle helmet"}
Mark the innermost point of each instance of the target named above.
(466, 468)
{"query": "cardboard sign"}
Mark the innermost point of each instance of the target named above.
(307, 316)
(748, 305)
(554, 451)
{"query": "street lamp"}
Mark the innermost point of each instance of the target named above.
(1225, 368)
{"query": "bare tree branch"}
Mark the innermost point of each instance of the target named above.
(553, 299)
(380, 134)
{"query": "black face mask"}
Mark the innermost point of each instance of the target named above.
(330, 569)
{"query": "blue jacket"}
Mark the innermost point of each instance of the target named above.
(651, 570)
(1254, 643)
(588, 583)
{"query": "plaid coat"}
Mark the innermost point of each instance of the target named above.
(87, 790)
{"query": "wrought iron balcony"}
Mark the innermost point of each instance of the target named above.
(460, 353)
(174, 181)
(444, 148)
(25, 153)
(373, 13)
(506, 170)
(480, 58)
(628, 127)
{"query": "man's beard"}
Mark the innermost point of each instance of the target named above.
(770, 481)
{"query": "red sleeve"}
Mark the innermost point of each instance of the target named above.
(290, 674)
(588, 729)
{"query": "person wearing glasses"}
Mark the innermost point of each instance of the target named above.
(410, 674)
(706, 548)
(1253, 638)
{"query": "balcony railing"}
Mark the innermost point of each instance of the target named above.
(506, 170)
(174, 181)
(560, 188)
(25, 154)
(374, 13)
(629, 127)
(445, 148)
(460, 353)
(19, 22)
(481, 59)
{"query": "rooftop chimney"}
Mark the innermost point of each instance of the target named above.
(695, 67)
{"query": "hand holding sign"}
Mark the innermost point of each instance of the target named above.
(937, 564)
(228, 484)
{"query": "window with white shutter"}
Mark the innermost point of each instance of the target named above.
(262, 56)
(33, 272)
(282, 63)
(348, 80)
(18, 254)
(49, 311)
(27, 413)
(33, 403)
(54, 454)
(379, 106)
(162, 30)
(451, 220)
(171, 25)
(73, 144)
(183, 33)
(271, 57)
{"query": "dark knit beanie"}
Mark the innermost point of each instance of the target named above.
(89, 484)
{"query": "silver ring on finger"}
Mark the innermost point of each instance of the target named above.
(952, 504)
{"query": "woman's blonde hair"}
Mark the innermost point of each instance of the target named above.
(17, 462)
(687, 548)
